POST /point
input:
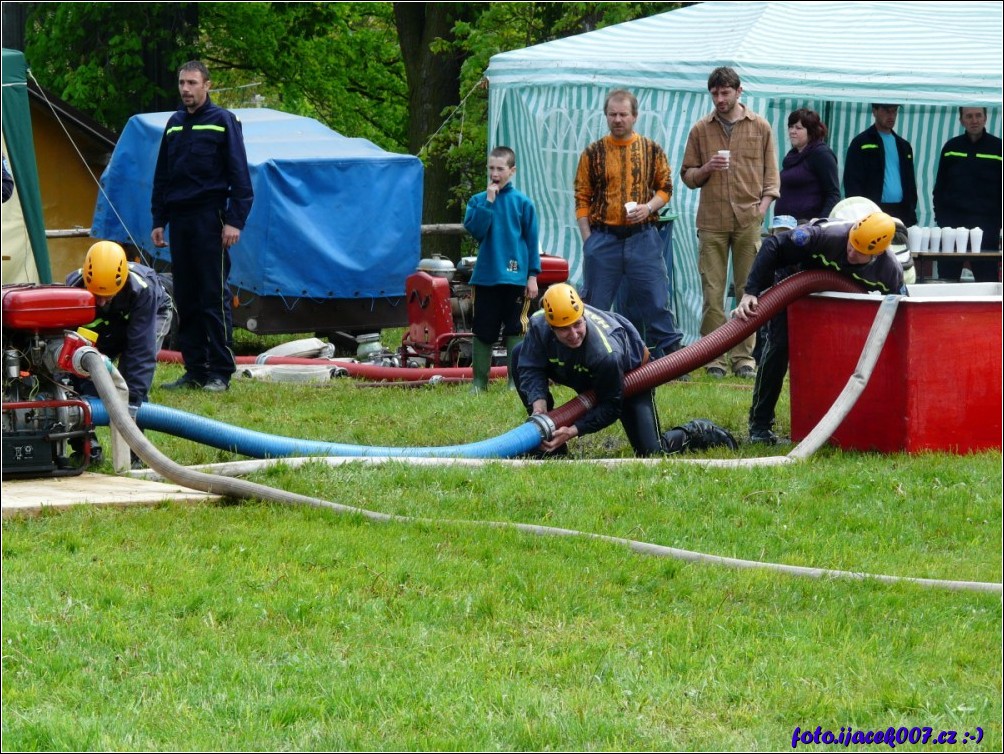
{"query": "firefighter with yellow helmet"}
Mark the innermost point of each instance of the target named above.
(586, 349)
(134, 314)
(858, 249)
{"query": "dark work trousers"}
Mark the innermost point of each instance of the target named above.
(772, 367)
(636, 260)
(201, 266)
(638, 414)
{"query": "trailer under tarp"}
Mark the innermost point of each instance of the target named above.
(334, 231)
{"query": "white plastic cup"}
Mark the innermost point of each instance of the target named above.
(962, 240)
(727, 154)
(935, 239)
(914, 233)
(925, 239)
(947, 240)
(629, 206)
(976, 239)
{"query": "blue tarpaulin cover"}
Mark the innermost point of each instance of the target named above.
(333, 217)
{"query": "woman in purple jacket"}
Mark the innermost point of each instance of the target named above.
(809, 184)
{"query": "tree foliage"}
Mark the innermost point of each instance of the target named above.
(110, 60)
(337, 62)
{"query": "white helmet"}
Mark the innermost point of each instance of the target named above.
(853, 208)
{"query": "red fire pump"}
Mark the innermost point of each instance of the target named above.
(42, 413)
(440, 310)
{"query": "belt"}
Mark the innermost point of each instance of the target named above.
(621, 231)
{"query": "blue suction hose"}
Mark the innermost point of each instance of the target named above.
(519, 441)
(254, 444)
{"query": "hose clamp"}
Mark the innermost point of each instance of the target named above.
(78, 360)
(545, 424)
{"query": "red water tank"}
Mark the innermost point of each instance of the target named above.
(935, 386)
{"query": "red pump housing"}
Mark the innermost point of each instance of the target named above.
(440, 310)
(45, 308)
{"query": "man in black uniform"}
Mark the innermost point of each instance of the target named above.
(967, 192)
(879, 166)
(134, 315)
(585, 349)
(858, 250)
(202, 190)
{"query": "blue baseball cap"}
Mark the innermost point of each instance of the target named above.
(785, 222)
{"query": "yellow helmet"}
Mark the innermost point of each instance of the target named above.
(873, 233)
(105, 268)
(562, 305)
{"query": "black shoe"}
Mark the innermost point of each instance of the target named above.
(184, 381)
(747, 372)
(764, 437)
(216, 385)
(716, 372)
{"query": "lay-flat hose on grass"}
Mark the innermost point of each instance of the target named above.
(118, 412)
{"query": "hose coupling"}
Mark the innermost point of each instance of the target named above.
(74, 343)
(545, 424)
(78, 357)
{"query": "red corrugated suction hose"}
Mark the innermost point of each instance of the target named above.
(720, 341)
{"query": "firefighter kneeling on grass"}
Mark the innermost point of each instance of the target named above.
(589, 349)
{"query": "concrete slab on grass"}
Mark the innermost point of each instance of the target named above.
(30, 496)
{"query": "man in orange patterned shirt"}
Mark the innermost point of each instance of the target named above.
(622, 182)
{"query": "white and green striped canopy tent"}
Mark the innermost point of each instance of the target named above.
(546, 101)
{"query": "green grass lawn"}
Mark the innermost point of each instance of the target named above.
(255, 626)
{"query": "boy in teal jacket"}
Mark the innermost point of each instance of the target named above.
(504, 283)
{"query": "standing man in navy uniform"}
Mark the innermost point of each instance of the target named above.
(202, 190)
(967, 192)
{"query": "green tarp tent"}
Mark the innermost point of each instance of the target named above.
(546, 101)
(25, 253)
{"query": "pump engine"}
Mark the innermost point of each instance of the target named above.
(440, 310)
(47, 428)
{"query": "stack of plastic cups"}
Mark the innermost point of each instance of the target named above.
(935, 238)
(962, 240)
(947, 240)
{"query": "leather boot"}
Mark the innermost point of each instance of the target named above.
(481, 364)
(511, 342)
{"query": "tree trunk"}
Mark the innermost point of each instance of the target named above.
(160, 59)
(433, 87)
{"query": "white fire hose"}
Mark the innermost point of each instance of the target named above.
(101, 371)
